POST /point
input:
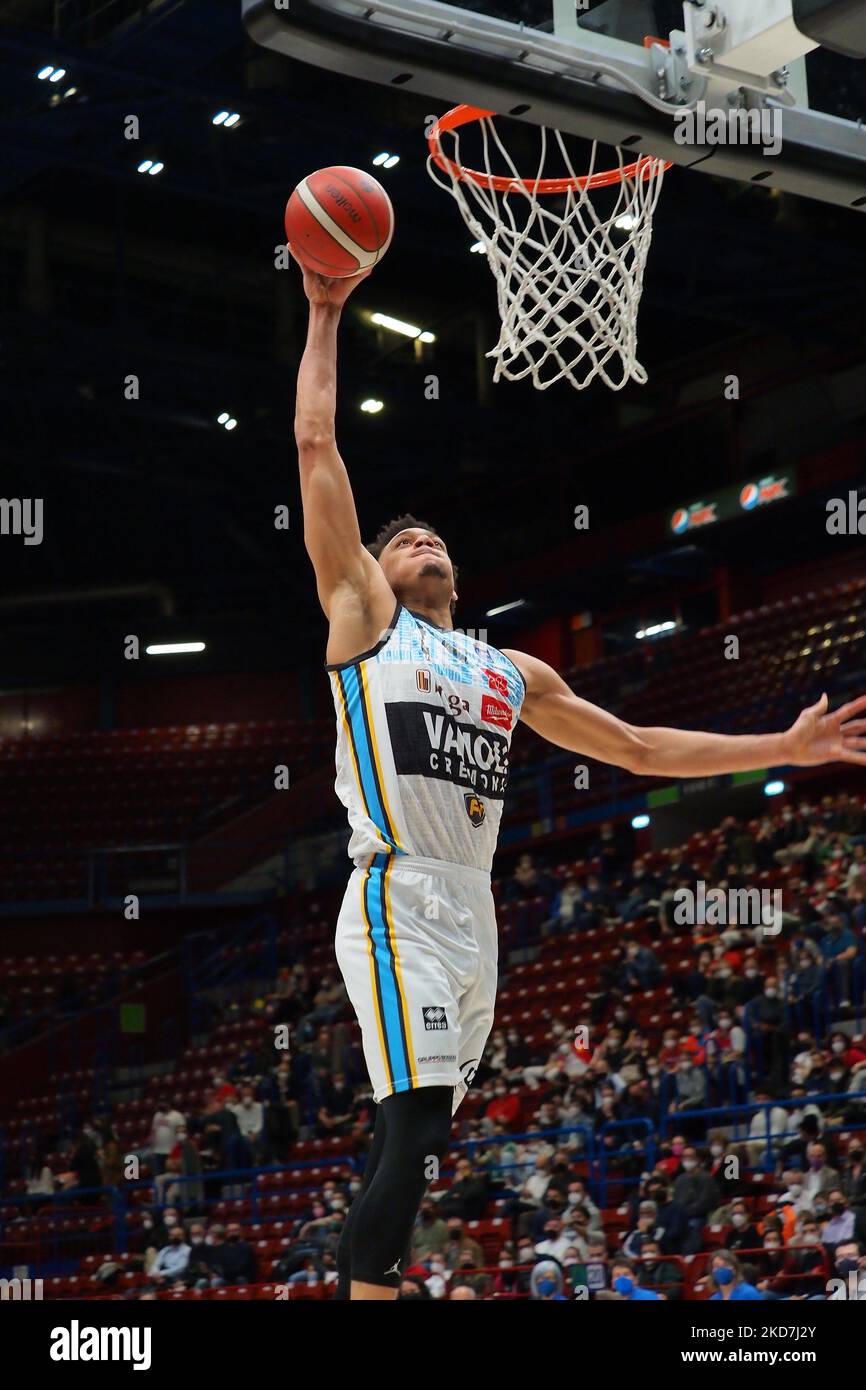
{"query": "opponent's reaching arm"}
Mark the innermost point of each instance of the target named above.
(352, 588)
(553, 710)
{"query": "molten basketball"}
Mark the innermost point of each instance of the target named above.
(339, 221)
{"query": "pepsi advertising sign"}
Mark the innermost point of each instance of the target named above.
(733, 502)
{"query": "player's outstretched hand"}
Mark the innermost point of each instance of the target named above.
(819, 737)
(320, 289)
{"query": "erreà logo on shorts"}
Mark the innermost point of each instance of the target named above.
(77, 1343)
(435, 1019)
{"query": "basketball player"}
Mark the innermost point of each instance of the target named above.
(425, 717)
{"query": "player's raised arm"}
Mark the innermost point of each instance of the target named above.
(331, 533)
(553, 710)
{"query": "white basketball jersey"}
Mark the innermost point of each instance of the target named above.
(424, 724)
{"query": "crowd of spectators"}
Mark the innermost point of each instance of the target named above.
(765, 1020)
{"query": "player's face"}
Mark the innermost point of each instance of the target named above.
(416, 564)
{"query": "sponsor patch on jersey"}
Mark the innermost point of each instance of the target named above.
(497, 681)
(427, 742)
(423, 681)
(495, 711)
(474, 808)
(435, 1018)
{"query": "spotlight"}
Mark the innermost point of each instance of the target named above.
(640, 822)
(505, 607)
(398, 326)
(174, 648)
(372, 407)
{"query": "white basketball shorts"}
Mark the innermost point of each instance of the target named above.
(417, 947)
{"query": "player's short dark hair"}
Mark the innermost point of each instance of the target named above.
(403, 523)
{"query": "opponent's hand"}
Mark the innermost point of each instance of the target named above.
(322, 289)
(819, 737)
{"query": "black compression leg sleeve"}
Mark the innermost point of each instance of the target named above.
(417, 1130)
(344, 1248)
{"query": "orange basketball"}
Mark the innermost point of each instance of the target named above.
(339, 221)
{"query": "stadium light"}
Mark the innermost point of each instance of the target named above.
(477, 248)
(372, 407)
(145, 165)
(156, 168)
(391, 161)
(626, 223)
(227, 421)
(505, 607)
(382, 158)
(228, 119)
(44, 73)
(408, 330)
(655, 630)
(640, 822)
(774, 788)
(57, 75)
(174, 648)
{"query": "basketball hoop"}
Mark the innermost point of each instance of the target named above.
(569, 277)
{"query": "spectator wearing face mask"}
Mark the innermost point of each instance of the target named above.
(699, 1195)
(770, 1263)
(768, 1129)
(723, 1166)
(726, 1275)
(846, 1223)
(839, 947)
(820, 1179)
(547, 1282)
(691, 1088)
(792, 1202)
(670, 1216)
(430, 1237)
(766, 1019)
(624, 1282)
(554, 1242)
(172, 1260)
(726, 1056)
(842, 1046)
(552, 1208)
(646, 1230)
(437, 1280)
(849, 1261)
(640, 969)
(807, 1266)
(234, 1260)
(461, 1247)
(743, 1233)
(577, 1196)
(659, 1275)
(466, 1198)
(199, 1270)
(853, 1181)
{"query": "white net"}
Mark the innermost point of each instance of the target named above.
(569, 264)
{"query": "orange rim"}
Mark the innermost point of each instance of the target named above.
(643, 168)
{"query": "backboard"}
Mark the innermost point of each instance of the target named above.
(762, 91)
